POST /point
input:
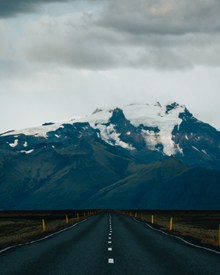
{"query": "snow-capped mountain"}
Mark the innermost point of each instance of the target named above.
(140, 129)
(135, 156)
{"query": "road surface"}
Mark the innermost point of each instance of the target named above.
(109, 243)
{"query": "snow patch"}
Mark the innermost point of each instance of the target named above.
(36, 131)
(151, 139)
(195, 148)
(204, 151)
(179, 149)
(156, 116)
(25, 144)
(27, 152)
(14, 144)
(109, 135)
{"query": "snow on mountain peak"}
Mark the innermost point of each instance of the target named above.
(164, 118)
(144, 116)
(156, 116)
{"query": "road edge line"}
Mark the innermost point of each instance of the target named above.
(179, 238)
(41, 239)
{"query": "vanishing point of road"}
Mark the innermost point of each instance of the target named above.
(109, 243)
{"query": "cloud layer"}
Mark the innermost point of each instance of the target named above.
(164, 35)
(9, 8)
(159, 34)
(68, 57)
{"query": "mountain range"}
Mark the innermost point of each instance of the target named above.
(139, 156)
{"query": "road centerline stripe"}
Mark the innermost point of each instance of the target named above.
(111, 261)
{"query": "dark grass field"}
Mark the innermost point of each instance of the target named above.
(22, 226)
(199, 227)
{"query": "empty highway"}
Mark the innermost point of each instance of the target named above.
(109, 243)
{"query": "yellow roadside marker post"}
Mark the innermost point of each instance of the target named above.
(43, 225)
(135, 215)
(66, 219)
(171, 224)
(152, 219)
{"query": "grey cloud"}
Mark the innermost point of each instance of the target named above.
(162, 17)
(5, 39)
(164, 35)
(10, 8)
(163, 59)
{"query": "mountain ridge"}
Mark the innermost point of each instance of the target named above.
(141, 129)
(141, 156)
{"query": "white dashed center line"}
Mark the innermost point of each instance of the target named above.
(110, 261)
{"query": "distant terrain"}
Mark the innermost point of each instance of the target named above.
(140, 156)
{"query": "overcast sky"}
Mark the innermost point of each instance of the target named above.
(62, 58)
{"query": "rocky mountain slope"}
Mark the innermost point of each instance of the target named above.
(147, 132)
(137, 156)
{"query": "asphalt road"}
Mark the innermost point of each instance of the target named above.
(109, 243)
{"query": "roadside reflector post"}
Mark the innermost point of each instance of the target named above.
(66, 219)
(84, 215)
(135, 215)
(171, 224)
(43, 225)
(219, 235)
(130, 214)
(152, 219)
(141, 216)
(77, 217)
